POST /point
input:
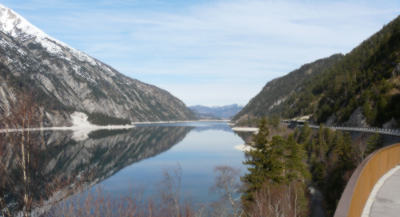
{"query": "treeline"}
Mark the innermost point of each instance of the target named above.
(366, 78)
(324, 159)
(272, 121)
(102, 119)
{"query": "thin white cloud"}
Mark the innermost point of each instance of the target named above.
(229, 41)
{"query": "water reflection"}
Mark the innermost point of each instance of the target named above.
(58, 165)
(118, 160)
(206, 146)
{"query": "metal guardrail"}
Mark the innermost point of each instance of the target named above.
(392, 132)
(364, 178)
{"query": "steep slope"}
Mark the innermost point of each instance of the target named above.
(216, 112)
(63, 79)
(270, 100)
(360, 89)
(363, 89)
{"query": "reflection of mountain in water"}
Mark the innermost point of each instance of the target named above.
(217, 126)
(62, 164)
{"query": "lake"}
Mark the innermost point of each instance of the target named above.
(124, 161)
(196, 148)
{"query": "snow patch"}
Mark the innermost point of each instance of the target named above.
(245, 129)
(80, 128)
(244, 148)
(80, 120)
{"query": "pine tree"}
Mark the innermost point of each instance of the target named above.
(265, 162)
(345, 151)
(261, 138)
(305, 134)
(296, 168)
(374, 142)
(322, 145)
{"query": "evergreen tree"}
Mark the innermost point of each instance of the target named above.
(346, 152)
(265, 162)
(322, 145)
(295, 166)
(305, 134)
(374, 143)
(261, 138)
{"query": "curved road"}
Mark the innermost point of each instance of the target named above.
(387, 200)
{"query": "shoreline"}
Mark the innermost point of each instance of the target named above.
(101, 127)
(245, 129)
(72, 128)
(177, 122)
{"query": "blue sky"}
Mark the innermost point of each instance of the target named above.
(209, 52)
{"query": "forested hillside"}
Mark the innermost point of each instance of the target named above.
(361, 89)
(366, 81)
(272, 97)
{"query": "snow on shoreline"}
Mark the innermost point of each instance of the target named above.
(80, 128)
(177, 122)
(244, 148)
(245, 129)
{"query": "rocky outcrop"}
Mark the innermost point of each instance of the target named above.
(357, 119)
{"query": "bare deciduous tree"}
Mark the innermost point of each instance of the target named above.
(228, 186)
(17, 140)
(277, 201)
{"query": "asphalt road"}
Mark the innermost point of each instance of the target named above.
(387, 200)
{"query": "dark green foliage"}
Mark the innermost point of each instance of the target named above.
(274, 121)
(280, 88)
(276, 162)
(295, 168)
(367, 78)
(98, 134)
(102, 119)
(363, 78)
(261, 138)
(332, 158)
(374, 143)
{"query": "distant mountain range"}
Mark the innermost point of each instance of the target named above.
(216, 112)
(63, 80)
(361, 88)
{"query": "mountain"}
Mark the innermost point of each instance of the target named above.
(62, 80)
(272, 97)
(363, 89)
(216, 112)
(360, 89)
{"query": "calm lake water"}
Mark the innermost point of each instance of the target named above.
(121, 161)
(195, 148)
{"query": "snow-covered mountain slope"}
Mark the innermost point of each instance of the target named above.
(64, 79)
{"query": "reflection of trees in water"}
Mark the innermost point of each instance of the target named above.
(167, 202)
(60, 166)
